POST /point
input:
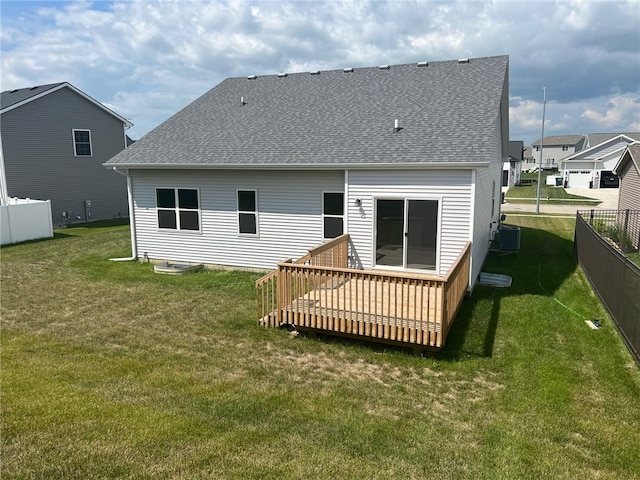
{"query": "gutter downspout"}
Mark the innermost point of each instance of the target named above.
(4, 194)
(132, 216)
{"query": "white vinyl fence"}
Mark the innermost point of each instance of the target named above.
(25, 219)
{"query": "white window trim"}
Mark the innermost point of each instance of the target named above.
(439, 199)
(255, 213)
(177, 210)
(73, 139)
(333, 216)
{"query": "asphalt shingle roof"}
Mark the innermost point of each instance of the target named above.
(632, 154)
(598, 138)
(516, 149)
(558, 140)
(447, 112)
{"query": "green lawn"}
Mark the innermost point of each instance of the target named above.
(111, 371)
(634, 257)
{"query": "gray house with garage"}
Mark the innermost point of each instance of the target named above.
(55, 139)
(406, 159)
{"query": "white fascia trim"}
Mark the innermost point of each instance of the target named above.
(575, 156)
(127, 123)
(622, 161)
(298, 166)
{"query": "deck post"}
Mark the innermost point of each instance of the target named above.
(282, 295)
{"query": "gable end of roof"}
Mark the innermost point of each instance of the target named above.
(16, 98)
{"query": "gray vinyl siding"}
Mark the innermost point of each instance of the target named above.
(38, 150)
(289, 207)
(451, 187)
(629, 188)
(484, 223)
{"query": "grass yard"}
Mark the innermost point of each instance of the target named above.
(112, 371)
(634, 257)
(549, 195)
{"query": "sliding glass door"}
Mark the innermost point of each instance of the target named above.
(406, 233)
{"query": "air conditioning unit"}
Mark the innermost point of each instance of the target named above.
(509, 238)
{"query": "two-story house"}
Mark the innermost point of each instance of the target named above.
(556, 148)
(54, 140)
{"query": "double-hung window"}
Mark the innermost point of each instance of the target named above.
(82, 143)
(332, 214)
(247, 212)
(178, 208)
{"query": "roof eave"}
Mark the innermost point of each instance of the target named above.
(299, 166)
(627, 156)
(574, 157)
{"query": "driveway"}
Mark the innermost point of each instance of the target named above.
(608, 196)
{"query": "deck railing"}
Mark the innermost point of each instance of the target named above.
(456, 282)
(319, 293)
(332, 253)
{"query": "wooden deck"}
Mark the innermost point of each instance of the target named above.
(319, 293)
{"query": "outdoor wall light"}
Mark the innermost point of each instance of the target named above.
(358, 202)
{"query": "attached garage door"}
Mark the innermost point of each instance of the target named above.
(579, 178)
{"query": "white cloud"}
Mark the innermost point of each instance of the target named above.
(620, 112)
(150, 59)
(617, 114)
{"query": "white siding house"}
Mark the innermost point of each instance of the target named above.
(262, 168)
(555, 149)
(585, 168)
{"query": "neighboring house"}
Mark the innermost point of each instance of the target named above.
(556, 148)
(55, 139)
(528, 159)
(512, 169)
(593, 167)
(406, 159)
(593, 139)
(628, 170)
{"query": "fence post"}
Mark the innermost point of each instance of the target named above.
(591, 219)
(626, 222)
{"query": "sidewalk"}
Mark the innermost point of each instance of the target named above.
(608, 196)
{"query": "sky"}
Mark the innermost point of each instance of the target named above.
(147, 60)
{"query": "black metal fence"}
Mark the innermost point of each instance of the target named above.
(602, 238)
(621, 227)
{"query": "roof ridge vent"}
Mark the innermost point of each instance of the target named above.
(463, 60)
(384, 67)
(314, 72)
(34, 88)
(423, 64)
(252, 77)
(348, 70)
(283, 75)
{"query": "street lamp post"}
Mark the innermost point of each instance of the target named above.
(544, 105)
